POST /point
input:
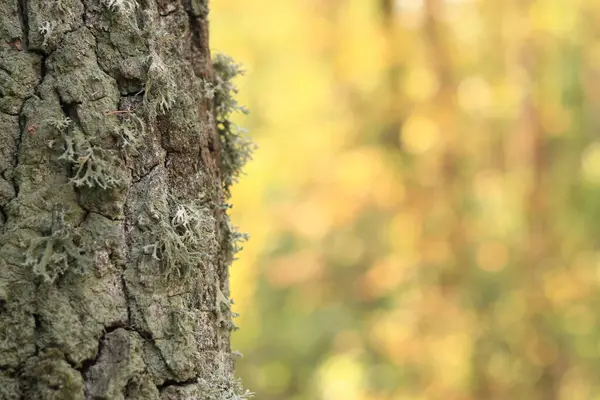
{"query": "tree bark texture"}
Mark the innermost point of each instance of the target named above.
(114, 238)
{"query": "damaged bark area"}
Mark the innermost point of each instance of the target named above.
(114, 172)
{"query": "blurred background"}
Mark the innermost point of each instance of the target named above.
(424, 203)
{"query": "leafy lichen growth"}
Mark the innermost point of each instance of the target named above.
(236, 147)
(223, 388)
(128, 132)
(92, 164)
(127, 6)
(223, 309)
(9, 389)
(46, 30)
(160, 89)
(235, 238)
(184, 236)
(52, 255)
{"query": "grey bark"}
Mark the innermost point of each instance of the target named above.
(114, 238)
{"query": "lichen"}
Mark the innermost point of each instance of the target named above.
(9, 389)
(120, 5)
(160, 90)
(52, 255)
(220, 385)
(49, 376)
(129, 128)
(234, 237)
(183, 236)
(92, 164)
(223, 309)
(236, 147)
(46, 30)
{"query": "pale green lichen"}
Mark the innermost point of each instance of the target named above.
(236, 147)
(9, 389)
(223, 388)
(52, 255)
(92, 164)
(127, 6)
(223, 309)
(128, 133)
(60, 124)
(235, 238)
(160, 89)
(184, 237)
(46, 30)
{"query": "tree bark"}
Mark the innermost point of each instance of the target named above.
(115, 160)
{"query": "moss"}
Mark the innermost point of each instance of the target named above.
(11, 28)
(234, 238)
(236, 147)
(17, 325)
(141, 387)
(224, 388)
(52, 255)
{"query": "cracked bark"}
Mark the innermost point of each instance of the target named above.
(118, 329)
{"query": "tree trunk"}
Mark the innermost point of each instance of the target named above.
(115, 160)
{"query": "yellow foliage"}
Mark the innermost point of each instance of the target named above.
(423, 203)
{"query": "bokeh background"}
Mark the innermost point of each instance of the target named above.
(424, 203)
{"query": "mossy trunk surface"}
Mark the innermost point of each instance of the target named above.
(114, 238)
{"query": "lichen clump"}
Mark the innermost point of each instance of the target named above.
(182, 238)
(236, 147)
(52, 255)
(223, 388)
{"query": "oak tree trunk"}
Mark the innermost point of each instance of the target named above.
(115, 160)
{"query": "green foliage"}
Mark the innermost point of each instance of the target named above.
(52, 255)
(236, 147)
